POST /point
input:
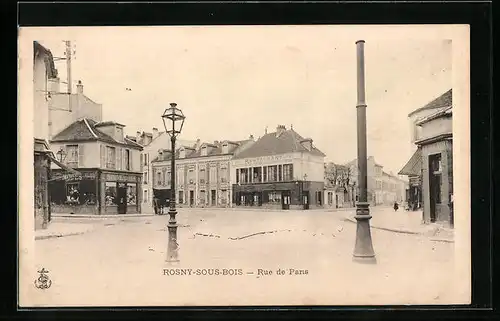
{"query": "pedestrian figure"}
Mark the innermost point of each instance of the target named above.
(396, 206)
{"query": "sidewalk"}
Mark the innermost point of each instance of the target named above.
(67, 215)
(61, 229)
(406, 222)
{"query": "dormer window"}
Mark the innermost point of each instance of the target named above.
(203, 150)
(225, 148)
(182, 152)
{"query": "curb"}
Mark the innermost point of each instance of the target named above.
(45, 237)
(347, 219)
(99, 216)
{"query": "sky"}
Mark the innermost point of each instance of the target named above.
(232, 82)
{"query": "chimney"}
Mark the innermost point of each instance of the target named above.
(155, 132)
(198, 143)
(137, 136)
(216, 142)
(79, 87)
(251, 137)
(280, 130)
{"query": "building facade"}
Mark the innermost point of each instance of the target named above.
(153, 145)
(436, 144)
(203, 173)
(108, 163)
(43, 71)
(66, 108)
(413, 168)
(281, 170)
(339, 191)
(382, 188)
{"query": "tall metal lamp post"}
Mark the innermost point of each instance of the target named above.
(363, 250)
(173, 120)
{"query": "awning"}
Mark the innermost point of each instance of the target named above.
(71, 173)
(414, 165)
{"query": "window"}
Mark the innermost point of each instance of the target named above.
(127, 160)
(145, 198)
(110, 193)
(158, 178)
(181, 197)
(72, 155)
(287, 172)
(237, 176)
(274, 197)
(213, 174)
(191, 175)
(330, 198)
(273, 173)
(168, 177)
(131, 194)
(280, 171)
(223, 174)
(145, 177)
(180, 176)
(202, 176)
(257, 174)
(111, 157)
(319, 198)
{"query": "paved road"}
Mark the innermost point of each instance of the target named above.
(122, 262)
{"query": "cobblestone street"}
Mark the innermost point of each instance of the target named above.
(121, 262)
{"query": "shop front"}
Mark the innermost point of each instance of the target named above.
(120, 192)
(74, 194)
(279, 195)
(94, 192)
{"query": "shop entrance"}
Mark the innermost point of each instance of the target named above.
(285, 200)
(191, 198)
(121, 195)
(434, 185)
(305, 199)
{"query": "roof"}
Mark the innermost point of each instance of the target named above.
(215, 150)
(445, 100)
(414, 166)
(446, 112)
(108, 123)
(84, 130)
(48, 58)
(269, 144)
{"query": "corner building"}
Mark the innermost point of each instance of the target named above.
(281, 170)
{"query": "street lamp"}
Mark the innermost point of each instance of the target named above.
(62, 154)
(173, 120)
(363, 250)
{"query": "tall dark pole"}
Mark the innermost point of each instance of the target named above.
(363, 250)
(172, 251)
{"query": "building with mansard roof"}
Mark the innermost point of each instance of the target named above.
(281, 170)
(203, 172)
(109, 164)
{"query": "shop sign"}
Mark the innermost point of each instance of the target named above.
(74, 177)
(120, 178)
(267, 159)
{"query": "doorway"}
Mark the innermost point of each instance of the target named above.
(191, 198)
(213, 197)
(434, 185)
(121, 194)
(285, 200)
(305, 200)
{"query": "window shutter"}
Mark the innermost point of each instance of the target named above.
(118, 164)
(81, 155)
(124, 166)
(130, 160)
(143, 156)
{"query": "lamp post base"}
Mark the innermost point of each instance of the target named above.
(363, 250)
(173, 245)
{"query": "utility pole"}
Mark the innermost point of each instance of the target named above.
(68, 68)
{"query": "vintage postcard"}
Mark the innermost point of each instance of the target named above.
(244, 165)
